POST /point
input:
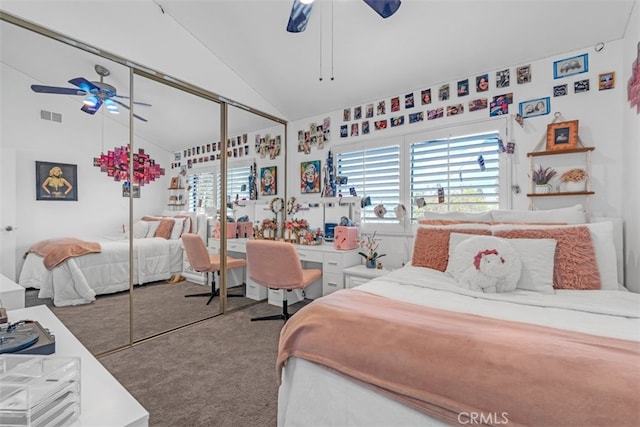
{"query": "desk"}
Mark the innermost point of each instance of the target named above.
(104, 401)
(333, 263)
(11, 294)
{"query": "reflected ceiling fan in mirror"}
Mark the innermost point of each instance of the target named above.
(301, 11)
(97, 93)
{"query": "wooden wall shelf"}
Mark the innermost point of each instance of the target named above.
(562, 193)
(555, 152)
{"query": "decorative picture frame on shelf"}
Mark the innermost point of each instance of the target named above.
(571, 66)
(56, 181)
(175, 183)
(535, 107)
(562, 136)
(607, 80)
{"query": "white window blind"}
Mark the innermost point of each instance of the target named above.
(373, 173)
(453, 164)
(237, 184)
(200, 193)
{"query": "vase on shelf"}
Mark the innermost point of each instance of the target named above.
(371, 263)
(543, 189)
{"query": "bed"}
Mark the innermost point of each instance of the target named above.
(414, 347)
(78, 279)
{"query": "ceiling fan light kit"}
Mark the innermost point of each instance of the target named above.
(97, 93)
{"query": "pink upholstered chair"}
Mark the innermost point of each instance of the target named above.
(277, 265)
(202, 261)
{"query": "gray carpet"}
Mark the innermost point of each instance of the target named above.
(103, 325)
(220, 372)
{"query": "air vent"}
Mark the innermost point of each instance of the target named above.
(48, 115)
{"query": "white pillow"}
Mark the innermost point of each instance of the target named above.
(176, 231)
(460, 216)
(536, 256)
(572, 215)
(140, 229)
(603, 245)
(153, 226)
(479, 261)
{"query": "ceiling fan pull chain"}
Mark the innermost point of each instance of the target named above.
(332, 40)
(320, 78)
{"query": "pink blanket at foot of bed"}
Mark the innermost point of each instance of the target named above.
(56, 251)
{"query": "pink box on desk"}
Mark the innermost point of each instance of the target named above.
(245, 229)
(345, 238)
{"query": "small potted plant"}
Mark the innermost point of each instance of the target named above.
(370, 246)
(541, 178)
(574, 180)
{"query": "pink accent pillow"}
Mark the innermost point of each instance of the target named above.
(165, 228)
(431, 246)
(575, 265)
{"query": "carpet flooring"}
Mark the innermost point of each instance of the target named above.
(220, 372)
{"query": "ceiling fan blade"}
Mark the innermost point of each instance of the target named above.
(127, 107)
(85, 85)
(299, 16)
(91, 109)
(384, 8)
(143, 104)
(57, 90)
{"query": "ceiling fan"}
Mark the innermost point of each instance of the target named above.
(301, 10)
(97, 93)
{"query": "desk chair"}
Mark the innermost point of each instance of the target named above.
(202, 261)
(276, 265)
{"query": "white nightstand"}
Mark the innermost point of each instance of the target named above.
(359, 274)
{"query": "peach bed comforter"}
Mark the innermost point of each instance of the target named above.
(444, 363)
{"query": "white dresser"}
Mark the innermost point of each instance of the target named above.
(324, 256)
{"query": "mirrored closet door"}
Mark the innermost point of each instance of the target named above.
(54, 133)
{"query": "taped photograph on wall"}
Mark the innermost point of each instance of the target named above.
(571, 66)
(535, 107)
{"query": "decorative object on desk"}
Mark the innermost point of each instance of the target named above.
(292, 206)
(541, 178)
(56, 181)
(562, 135)
(346, 222)
(311, 237)
(370, 250)
(268, 229)
(294, 229)
(345, 238)
(574, 180)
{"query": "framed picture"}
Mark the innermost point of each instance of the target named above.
(562, 136)
(268, 181)
(535, 107)
(310, 176)
(571, 66)
(126, 187)
(607, 80)
(56, 181)
(175, 183)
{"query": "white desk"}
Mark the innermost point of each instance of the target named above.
(11, 294)
(333, 263)
(104, 401)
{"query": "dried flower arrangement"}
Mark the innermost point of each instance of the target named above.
(574, 175)
(543, 176)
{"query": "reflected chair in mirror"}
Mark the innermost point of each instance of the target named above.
(202, 261)
(276, 265)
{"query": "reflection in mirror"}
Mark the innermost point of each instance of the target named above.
(255, 177)
(54, 133)
(182, 127)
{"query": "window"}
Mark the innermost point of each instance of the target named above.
(200, 193)
(465, 169)
(237, 184)
(374, 174)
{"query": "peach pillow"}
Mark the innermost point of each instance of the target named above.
(165, 228)
(575, 265)
(431, 246)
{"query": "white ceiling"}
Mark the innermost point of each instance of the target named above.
(424, 44)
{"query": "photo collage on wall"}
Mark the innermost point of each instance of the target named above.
(317, 135)
(268, 146)
(237, 146)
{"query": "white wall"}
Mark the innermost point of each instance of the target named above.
(631, 159)
(600, 125)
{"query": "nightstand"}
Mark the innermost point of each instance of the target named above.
(359, 274)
